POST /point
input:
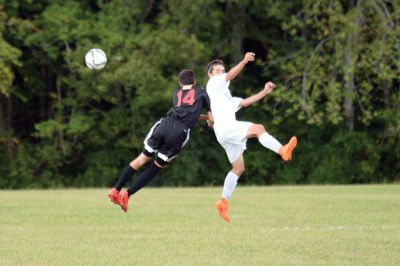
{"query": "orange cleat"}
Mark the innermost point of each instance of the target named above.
(124, 200)
(222, 207)
(114, 196)
(286, 150)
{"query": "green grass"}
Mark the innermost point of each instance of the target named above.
(302, 225)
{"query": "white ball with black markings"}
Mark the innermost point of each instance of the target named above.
(96, 59)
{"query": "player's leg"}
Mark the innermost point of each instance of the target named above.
(133, 166)
(142, 181)
(151, 143)
(173, 140)
(235, 156)
(147, 176)
(173, 143)
(232, 178)
(268, 141)
(127, 174)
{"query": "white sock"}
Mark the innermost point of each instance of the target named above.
(270, 142)
(229, 185)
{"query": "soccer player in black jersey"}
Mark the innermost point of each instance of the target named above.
(166, 138)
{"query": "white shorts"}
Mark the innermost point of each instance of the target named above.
(233, 138)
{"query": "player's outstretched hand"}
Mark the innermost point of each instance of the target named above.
(249, 57)
(210, 123)
(269, 86)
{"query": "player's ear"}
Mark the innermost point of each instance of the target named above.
(180, 84)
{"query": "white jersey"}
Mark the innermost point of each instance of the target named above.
(223, 105)
(230, 133)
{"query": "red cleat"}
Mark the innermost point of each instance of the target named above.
(114, 196)
(222, 207)
(124, 200)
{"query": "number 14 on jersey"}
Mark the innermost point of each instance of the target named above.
(188, 99)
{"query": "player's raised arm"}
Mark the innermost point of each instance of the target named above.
(269, 86)
(248, 57)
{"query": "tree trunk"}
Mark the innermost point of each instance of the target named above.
(5, 126)
(238, 29)
(349, 87)
(350, 59)
(59, 116)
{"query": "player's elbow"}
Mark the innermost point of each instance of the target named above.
(229, 76)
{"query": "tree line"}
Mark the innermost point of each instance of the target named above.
(336, 65)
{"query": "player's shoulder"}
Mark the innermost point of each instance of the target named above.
(212, 83)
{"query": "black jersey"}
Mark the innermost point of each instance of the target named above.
(187, 105)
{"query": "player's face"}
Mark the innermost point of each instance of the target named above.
(218, 70)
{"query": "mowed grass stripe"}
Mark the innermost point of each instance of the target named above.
(301, 225)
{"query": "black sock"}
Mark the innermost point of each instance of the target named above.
(145, 178)
(125, 177)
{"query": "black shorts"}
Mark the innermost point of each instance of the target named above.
(166, 138)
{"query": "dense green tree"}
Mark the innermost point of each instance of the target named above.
(344, 69)
(8, 60)
(336, 64)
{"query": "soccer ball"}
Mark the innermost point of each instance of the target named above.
(95, 59)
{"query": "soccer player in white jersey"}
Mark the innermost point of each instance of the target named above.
(233, 134)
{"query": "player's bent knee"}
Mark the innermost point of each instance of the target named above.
(238, 170)
(260, 128)
(256, 130)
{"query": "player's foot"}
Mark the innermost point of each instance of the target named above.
(114, 196)
(222, 207)
(286, 150)
(124, 200)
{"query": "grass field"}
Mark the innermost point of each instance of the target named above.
(299, 225)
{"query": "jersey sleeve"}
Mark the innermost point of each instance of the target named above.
(207, 105)
(174, 97)
(236, 103)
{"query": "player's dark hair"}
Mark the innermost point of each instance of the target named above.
(186, 77)
(210, 66)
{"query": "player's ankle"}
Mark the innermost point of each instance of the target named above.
(224, 200)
